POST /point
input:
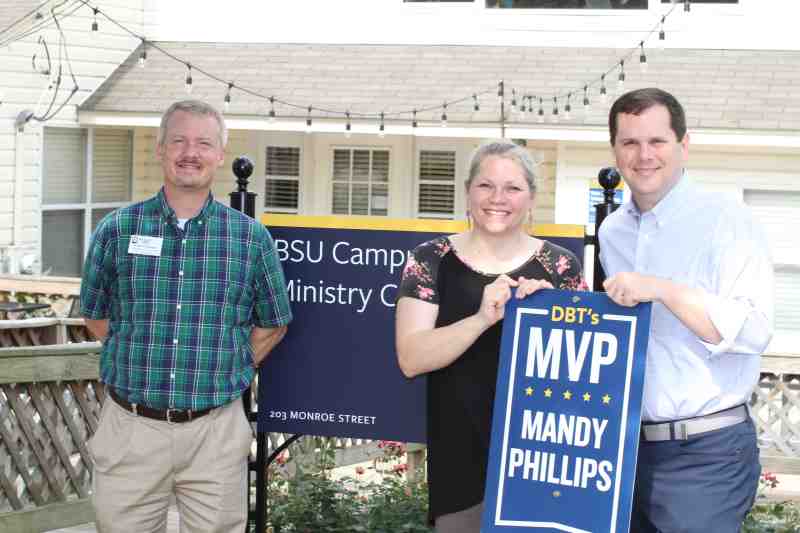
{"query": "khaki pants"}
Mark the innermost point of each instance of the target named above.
(140, 463)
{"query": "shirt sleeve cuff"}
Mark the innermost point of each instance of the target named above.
(728, 316)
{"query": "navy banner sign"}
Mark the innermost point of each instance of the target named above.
(565, 431)
(336, 373)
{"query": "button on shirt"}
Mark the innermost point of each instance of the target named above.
(704, 241)
(180, 321)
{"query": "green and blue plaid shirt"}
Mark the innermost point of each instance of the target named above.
(180, 323)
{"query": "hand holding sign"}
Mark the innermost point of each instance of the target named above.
(495, 296)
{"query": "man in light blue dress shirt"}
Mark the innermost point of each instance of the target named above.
(703, 262)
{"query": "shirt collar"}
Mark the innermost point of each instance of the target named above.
(670, 204)
(169, 214)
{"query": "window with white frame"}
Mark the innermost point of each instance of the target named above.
(282, 183)
(779, 212)
(437, 184)
(360, 181)
(86, 174)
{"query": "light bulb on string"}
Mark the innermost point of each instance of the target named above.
(444, 115)
(514, 101)
(347, 127)
(524, 107)
(541, 111)
(586, 104)
(227, 104)
(414, 122)
(188, 78)
(621, 77)
(95, 27)
(271, 114)
(662, 36)
(603, 90)
(568, 108)
(500, 92)
(555, 110)
(687, 6)
(475, 105)
(531, 110)
(381, 128)
(308, 120)
(143, 54)
(642, 58)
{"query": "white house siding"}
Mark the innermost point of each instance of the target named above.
(93, 55)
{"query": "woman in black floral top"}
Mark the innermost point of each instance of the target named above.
(451, 300)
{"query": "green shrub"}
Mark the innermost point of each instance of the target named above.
(312, 502)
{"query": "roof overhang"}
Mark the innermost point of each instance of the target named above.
(567, 133)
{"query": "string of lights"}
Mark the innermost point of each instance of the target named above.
(35, 20)
(525, 96)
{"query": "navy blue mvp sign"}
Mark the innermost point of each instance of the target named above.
(565, 430)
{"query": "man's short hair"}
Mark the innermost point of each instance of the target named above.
(639, 101)
(195, 107)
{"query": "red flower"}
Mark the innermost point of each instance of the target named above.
(360, 470)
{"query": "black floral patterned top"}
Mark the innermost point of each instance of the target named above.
(461, 395)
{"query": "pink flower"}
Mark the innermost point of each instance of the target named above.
(399, 469)
(769, 479)
(360, 470)
(425, 293)
(563, 264)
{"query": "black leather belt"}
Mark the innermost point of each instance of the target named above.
(177, 416)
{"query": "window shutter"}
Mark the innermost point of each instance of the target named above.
(282, 184)
(111, 165)
(779, 213)
(437, 173)
(64, 166)
(341, 174)
(360, 182)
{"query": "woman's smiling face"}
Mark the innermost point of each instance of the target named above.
(499, 197)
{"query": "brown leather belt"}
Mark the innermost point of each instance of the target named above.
(177, 416)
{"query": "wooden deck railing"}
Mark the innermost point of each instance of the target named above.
(50, 401)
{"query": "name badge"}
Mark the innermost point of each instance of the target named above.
(145, 245)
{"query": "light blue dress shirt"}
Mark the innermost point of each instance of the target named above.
(709, 242)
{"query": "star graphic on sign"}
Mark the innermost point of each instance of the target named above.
(529, 391)
(606, 398)
(586, 396)
(567, 395)
(548, 392)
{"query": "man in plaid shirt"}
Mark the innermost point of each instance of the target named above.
(188, 297)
